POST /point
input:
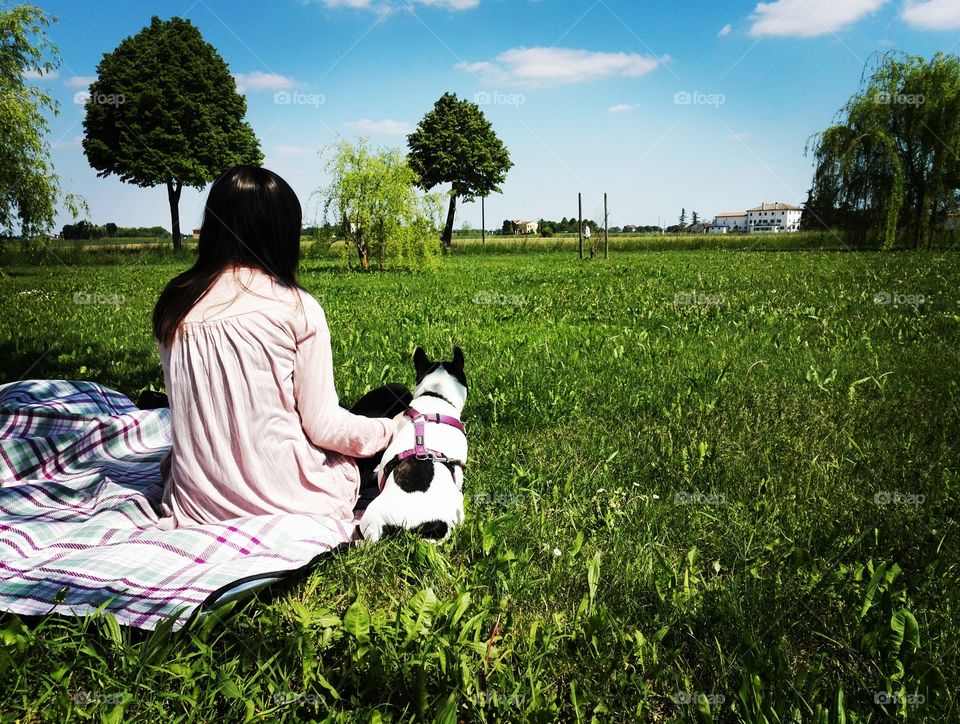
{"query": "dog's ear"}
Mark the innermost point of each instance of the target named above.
(458, 359)
(420, 361)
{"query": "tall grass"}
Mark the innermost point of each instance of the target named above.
(714, 486)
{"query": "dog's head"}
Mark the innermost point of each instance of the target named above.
(441, 378)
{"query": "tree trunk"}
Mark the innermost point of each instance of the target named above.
(362, 254)
(173, 196)
(382, 243)
(448, 229)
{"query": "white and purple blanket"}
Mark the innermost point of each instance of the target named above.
(79, 482)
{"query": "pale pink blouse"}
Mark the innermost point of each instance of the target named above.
(257, 426)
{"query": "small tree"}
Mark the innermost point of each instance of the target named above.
(455, 144)
(373, 195)
(165, 110)
(29, 189)
(683, 219)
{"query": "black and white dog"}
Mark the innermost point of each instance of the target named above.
(421, 472)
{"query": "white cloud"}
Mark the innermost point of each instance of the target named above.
(80, 81)
(387, 127)
(385, 7)
(68, 143)
(809, 18)
(31, 74)
(451, 4)
(537, 67)
(932, 14)
(622, 107)
(725, 31)
(260, 81)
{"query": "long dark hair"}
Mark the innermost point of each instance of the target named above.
(252, 218)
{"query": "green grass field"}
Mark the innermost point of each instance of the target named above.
(711, 484)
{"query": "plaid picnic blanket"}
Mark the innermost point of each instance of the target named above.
(79, 482)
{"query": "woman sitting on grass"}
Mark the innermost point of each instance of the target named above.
(247, 363)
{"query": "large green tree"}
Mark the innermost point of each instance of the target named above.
(456, 144)
(890, 165)
(165, 110)
(29, 189)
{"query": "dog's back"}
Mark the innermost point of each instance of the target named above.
(421, 471)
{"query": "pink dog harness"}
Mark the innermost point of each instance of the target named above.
(420, 450)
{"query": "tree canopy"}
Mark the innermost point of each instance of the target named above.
(890, 166)
(455, 143)
(165, 110)
(29, 188)
(375, 203)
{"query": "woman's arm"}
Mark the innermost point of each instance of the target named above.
(327, 425)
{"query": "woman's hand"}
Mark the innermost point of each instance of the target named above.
(399, 420)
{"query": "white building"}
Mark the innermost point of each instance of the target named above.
(773, 218)
(730, 222)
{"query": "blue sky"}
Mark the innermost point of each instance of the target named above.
(660, 104)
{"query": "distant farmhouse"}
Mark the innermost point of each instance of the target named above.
(731, 221)
(518, 227)
(765, 218)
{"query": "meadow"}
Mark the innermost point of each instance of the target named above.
(705, 484)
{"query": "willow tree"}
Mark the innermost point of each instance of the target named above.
(456, 144)
(372, 197)
(164, 110)
(890, 165)
(29, 188)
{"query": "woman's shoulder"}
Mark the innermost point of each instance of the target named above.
(244, 290)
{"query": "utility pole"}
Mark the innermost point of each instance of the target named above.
(580, 223)
(606, 240)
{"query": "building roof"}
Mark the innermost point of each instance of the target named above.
(731, 213)
(776, 207)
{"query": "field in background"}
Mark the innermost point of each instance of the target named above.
(722, 483)
(82, 251)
